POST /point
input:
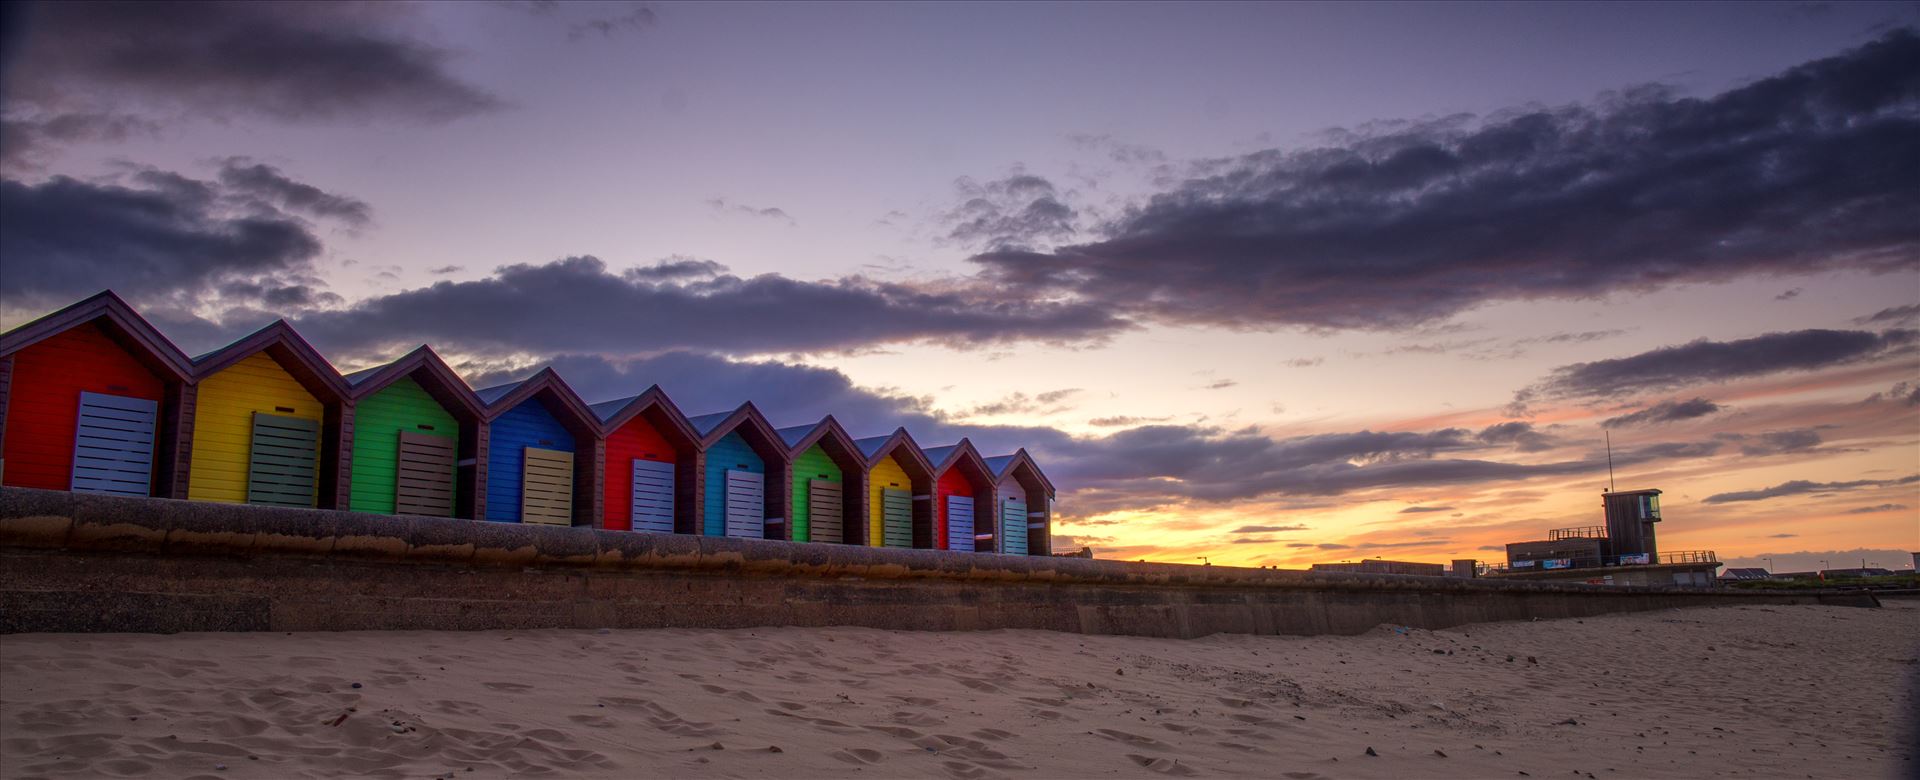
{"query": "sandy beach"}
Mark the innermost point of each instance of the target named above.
(1739, 691)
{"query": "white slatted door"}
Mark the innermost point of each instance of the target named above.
(113, 448)
(546, 487)
(825, 511)
(652, 496)
(746, 504)
(960, 523)
(1013, 528)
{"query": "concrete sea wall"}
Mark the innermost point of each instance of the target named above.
(81, 562)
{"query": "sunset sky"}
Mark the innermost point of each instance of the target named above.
(1269, 284)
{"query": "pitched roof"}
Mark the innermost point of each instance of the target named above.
(704, 424)
(157, 350)
(612, 415)
(310, 368)
(501, 398)
(1004, 465)
(446, 386)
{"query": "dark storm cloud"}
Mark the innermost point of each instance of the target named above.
(1705, 362)
(1802, 487)
(1018, 211)
(240, 174)
(24, 140)
(1664, 412)
(576, 305)
(1805, 170)
(287, 60)
(65, 238)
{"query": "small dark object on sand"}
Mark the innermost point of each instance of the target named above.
(1371, 753)
(356, 685)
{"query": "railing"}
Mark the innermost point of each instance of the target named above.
(1689, 556)
(1580, 532)
(1680, 556)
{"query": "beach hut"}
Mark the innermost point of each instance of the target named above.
(653, 465)
(541, 442)
(828, 477)
(413, 423)
(743, 484)
(899, 491)
(1026, 505)
(90, 401)
(963, 490)
(266, 425)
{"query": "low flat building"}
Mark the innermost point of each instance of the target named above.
(1690, 574)
(1378, 566)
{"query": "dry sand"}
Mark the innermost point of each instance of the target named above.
(1755, 691)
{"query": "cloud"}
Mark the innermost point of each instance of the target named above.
(1421, 509)
(160, 235)
(578, 306)
(1639, 190)
(1124, 420)
(339, 61)
(26, 140)
(1802, 487)
(1789, 295)
(1050, 402)
(1219, 384)
(677, 267)
(1521, 435)
(639, 17)
(1778, 442)
(1892, 316)
(1874, 510)
(1018, 211)
(1267, 529)
(242, 175)
(1664, 412)
(1782, 536)
(446, 269)
(723, 206)
(1705, 362)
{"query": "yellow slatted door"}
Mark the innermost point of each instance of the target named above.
(546, 489)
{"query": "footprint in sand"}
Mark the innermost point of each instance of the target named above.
(965, 771)
(1133, 739)
(897, 731)
(858, 756)
(992, 734)
(1165, 766)
(507, 687)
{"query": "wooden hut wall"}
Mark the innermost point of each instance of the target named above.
(255, 399)
(529, 424)
(379, 420)
(110, 443)
(886, 481)
(639, 440)
(732, 453)
(964, 481)
(810, 467)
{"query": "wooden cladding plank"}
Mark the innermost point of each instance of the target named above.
(113, 445)
(652, 496)
(960, 523)
(825, 508)
(1013, 528)
(283, 461)
(423, 482)
(546, 492)
(896, 517)
(746, 504)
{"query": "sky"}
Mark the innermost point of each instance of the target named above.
(1264, 284)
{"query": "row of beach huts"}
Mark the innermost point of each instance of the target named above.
(94, 398)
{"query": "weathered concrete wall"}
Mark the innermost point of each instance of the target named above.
(75, 562)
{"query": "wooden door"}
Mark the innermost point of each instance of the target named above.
(652, 496)
(1013, 528)
(283, 461)
(546, 487)
(896, 517)
(424, 475)
(113, 447)
(746, 504)
(960, 523)
(825, 505)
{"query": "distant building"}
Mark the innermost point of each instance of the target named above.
(1871, 571)
(1378, 566)
(1622, 552)
(1744, 575)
